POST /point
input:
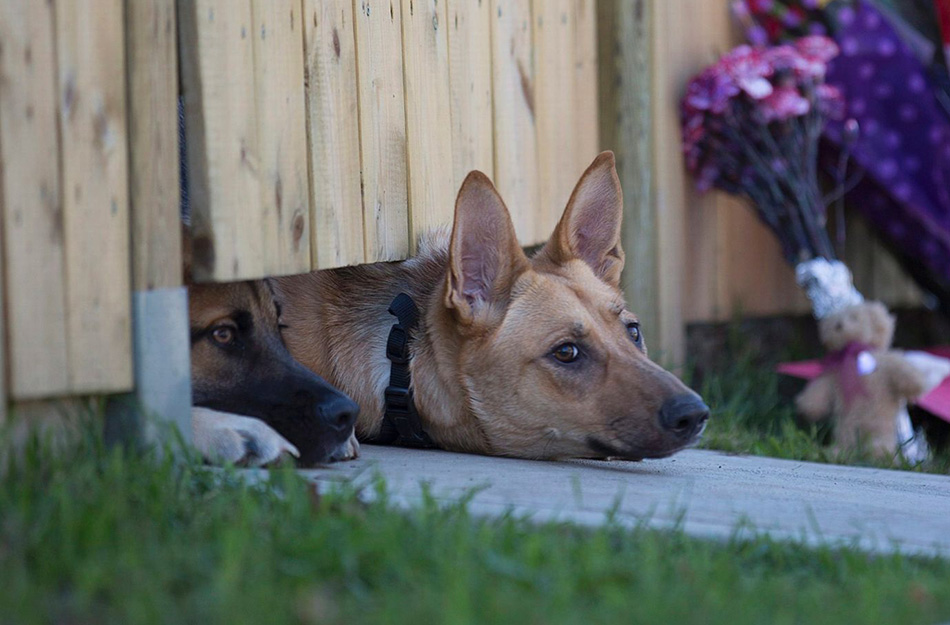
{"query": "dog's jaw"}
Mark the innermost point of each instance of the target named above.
(607, 450)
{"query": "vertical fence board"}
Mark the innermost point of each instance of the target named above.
(554, 104)
(31, 202)
(151, 46)
(382, 110)
(159, 302)
(892, 285)
(3, 354)
(221, 129)
(877, 273)
(3, 351)
(586, 123)
(670, 67)
(513, 101)
(689, 256)
(707, 258)
(754, 279)
(281, 131)
(668, 62)
(731, 262)
(333, 117)
(428, 121)
(709, 255)
(626, 125)
(470, 86)
(91, 53)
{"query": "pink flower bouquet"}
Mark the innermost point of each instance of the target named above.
(751, 125)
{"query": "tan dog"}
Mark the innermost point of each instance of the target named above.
(253, 401)
(532, 357)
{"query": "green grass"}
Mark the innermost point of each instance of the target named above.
(749, 415)
(91, 535)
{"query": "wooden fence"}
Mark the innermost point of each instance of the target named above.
(65, 183)
(330, 132)
(320, 133)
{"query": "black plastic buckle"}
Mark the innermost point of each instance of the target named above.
(397, 346)
(400, 410)
(398, 399)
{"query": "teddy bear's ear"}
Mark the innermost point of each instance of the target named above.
(882, 323)
(831, 331)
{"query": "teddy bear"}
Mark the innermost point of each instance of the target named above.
(865, 385)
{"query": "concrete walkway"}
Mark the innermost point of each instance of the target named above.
(708, 494)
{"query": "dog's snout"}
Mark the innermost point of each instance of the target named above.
(683, 415)
(340, 413)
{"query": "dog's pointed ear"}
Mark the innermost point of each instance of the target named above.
(484, 255)
(590, 226)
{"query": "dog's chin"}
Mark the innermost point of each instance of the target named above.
(636, 453)
(324, 453)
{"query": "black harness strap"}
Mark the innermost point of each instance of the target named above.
(401, 422)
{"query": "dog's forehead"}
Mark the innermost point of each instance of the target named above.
(592, 292)
(573, 296)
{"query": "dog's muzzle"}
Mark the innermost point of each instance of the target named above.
(684, 416)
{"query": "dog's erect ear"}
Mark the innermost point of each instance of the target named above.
(484, 255)
(590, 226)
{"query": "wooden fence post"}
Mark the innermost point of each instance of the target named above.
(630, 101)
(685, 260)
(3, 355)
(159, 301)
(152, 54)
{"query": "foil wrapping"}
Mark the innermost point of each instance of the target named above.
(828, 284)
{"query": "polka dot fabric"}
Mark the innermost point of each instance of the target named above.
(904, 144)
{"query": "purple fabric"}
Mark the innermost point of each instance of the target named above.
(904, 143)
(844, 363)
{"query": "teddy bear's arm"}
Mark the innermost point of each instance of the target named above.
(815, 402)
(904, 379)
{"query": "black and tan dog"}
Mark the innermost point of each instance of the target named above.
(533, 357)
(252, 400)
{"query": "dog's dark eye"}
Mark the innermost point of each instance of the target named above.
(223, 335)
(633, 329)
(566, 352)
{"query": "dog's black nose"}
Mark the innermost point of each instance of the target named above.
(340, 412)
(683, 415)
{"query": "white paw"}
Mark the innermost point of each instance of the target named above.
(350, 450)
(222, 437)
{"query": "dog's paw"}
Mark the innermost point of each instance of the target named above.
(244, 441)
(350, 450)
